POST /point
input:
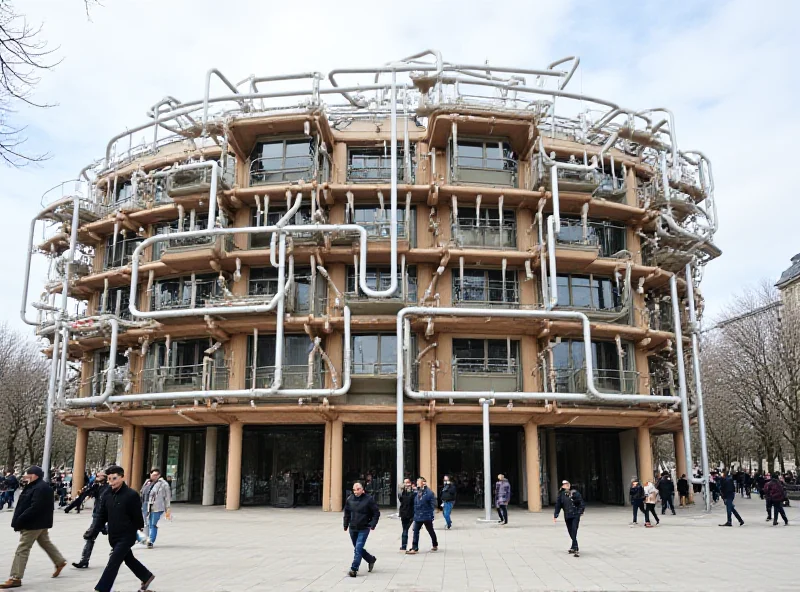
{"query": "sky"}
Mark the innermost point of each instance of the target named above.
(723, 67)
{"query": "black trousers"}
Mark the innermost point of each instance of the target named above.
(429, 527)
(769, 508)
(665, 502)
(777, 508)
(572, 529)
(76, 503)
(648, 508)
(638, 506)
(502, 511)
(406, 522)
(121, 553)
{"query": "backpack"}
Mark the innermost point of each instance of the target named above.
(777, 493)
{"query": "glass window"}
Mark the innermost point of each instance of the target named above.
(275, 213)
(374, 354)
(380, 278)
(177, 292)
(594, 292)
(484, 355)
(485, 286)
(581, 291)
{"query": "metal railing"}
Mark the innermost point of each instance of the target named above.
(503, 173)
(611, 189)
(97, 381)
(571, 234)
(225, 243)
(571, 180)
(383, 283)
(269, 170)
(184, 378)
(183, 300)
(381, 229)
(264, 289)
(467, 233)
(569, 380)
(374, 368)
(294, 376)
(497, 374)
(481, 296)
(196, 180)
(121, 254)
(372, 168)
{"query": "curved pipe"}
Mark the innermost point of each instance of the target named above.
(227, 83)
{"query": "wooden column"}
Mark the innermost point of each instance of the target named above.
(236, 355)
(337, 487)
(326, 468)
(433, 480)
(137, 462)
(126, 461)
(210, 466)
(680, 461)
(645, 452)
(233, 489)
(79, 463)
(532, 467)
(425, 450)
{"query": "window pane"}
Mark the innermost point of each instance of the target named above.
(298, 148)
(581, 291)
(561, 355)
(468, 348)
(296, 349)
(388, 354)
(365, 353)
(562, 283)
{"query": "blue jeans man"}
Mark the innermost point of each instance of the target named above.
(152, 523)
(359, 539)
(732, 510)
(447, 507)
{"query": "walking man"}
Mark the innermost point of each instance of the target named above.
(666, 489)
(406, 499)
(121, 510)
(424, 509)
(96, 490)
(502, 495)
(775, 493)
(728, 491)
(572, 503)
(158, 502)
(33, 517)
(448, 499)
(361, 516)
(637, 499)
(683, 491)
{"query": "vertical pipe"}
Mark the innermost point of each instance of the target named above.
(487, 460)
(399, 435)
(210, 466)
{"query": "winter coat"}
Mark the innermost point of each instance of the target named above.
(683, 487)
(502, 493)
(34, 509)
(361, 512)
(424, 505)
(571, 502)
(651, 493)
(159, 497)
(666, 488)
(775, 491)
(97, 492)
(636, 493)
(728, 488)
(406, 499)
(122, 511)
(448, 493)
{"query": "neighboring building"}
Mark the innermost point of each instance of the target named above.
(789, 286)
(473, 177)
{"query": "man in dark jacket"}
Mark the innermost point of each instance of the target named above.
(424, 509)
(572, 503)
(121, 510)
(33, 517)
(361, 516)
(448, 499)
(728, 491)
(683, 491)
(637, 499)
(95, 490)
(666, 489)
(775, 492)
(406, 499)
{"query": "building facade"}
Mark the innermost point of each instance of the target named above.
(184, 370)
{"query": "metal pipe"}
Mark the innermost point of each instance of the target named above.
(207, 92)
(487, 460)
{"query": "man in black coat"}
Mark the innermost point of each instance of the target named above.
(572, 503)
(361, 516)
(406, 499)
(121, 509)
(683, 490)
(96, 490)
(666, 489)
(728, 491)
(33, 517)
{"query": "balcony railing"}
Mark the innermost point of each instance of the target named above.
(184, 378)
(374, 368)
(263, 290)
(572, 235)
(490, 374)
(121, 254)
(611, 189)
(294, 376)
(467, 233)
(375, 168)
(97, 381)
(182, 245)
(270, 170)
(488, 296)
(197, 180)
(570, 180)
(496, 171)
(606, 380)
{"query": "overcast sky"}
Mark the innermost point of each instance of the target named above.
(724, 68)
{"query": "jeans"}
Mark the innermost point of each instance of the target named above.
(777, 508)
(447, 507)
(647, 510)
(572, 529)
(121, 552)
(7, 498)
(667, 502)
(732, 510)
(359, 539)
(152, 523)
(429, 527)
(406, 522)
(26, 540)
(502, 511)
(638, 506)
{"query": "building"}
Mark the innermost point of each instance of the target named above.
(502, 205)
(789, 286)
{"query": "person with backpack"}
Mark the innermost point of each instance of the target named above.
(637, 499)
(572, 503)
(775, 493)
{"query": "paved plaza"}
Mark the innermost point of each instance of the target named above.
(257, 549)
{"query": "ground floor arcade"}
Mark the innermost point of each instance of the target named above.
(287, 457)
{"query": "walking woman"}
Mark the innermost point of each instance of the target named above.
(651, 497)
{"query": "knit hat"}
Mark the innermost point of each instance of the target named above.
(34, 470)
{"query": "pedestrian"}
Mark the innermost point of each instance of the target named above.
(33, 518)
(728, 491)
(651, 497)
(683, 491)
(637, 499)
(12, 484)
(361, 516)
(502, 495)
(748, 484)
(572, 503)
(775, 492)
(424, 509)
(666, 489)
(158, 503)
(448, 499)
(120, 510)
(144, 492)
(97, 489)
(760, 485)
(406, 499)
(714, 485)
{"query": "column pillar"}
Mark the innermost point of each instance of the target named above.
(645, 451)
(233, 488)
(79, 463)
(337, 438)
(552, 465)
(433, 480)
(425, 449)
(532, 467)
(137, 461)
(680, 461)
(326, 468)
(210, 467)
(126, 455)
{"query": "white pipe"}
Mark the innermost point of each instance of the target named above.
(551, 250)
(487, 459)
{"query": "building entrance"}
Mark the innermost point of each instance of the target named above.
(460, 455)
(179, 455)
(282, 466)
(590, 460)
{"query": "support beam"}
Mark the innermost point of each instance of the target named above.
(326, 468)
(126, 456)
(210, 466)
(79, 462)
(337, 487)
(433, 480)
(135, 479)
(532, 467)
(680, 461)
(645, 451)
(233, 489)
(425, 449)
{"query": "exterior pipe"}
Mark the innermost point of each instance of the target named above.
(487, 461)
(208, 89)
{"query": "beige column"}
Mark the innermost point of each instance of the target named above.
(337, 487)
(135, 478)
(126, 460)
(680, 461)
(645, 452)
(210, 466)
(237, 361)
(233, 489)
(79, 463)
(532, 467)
(433, 480)
(326, 468)
(425, 450)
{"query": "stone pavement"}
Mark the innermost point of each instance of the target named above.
(259, 549)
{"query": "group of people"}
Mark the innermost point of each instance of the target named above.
(644, 498)
(119, 512)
